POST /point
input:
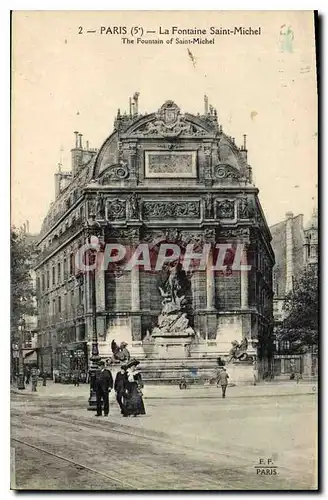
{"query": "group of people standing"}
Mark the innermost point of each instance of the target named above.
(32, 374)
(128, 387)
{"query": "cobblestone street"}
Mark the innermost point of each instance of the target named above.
(58, 444)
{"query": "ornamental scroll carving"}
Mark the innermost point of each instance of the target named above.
(238, 232)
(171, 209)
(115, 173)
(225, 209)
(128, 234)
(180, 237)
(116, 209)
(222, 171)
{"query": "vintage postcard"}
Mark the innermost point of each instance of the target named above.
(164, 242)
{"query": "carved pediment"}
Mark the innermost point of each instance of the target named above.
(168, 122)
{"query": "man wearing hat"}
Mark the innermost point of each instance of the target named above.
(223, 380)
(119, 387)
(104, 384)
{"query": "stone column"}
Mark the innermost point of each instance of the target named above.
(211, 323)
(135, 289)
(100, 285)
(210, 284)
(100, 297)
(135, 304)
(244, 281)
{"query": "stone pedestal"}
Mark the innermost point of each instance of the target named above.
(172, 347)
(240, 373)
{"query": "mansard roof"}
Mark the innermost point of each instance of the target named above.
(68, 196)
(168, 124)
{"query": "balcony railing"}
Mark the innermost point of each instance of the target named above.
(57, 242)
(72, 313)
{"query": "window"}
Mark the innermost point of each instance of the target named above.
(53, 275)
(59, 305)
(65, 269)
(42, 283)
(59, 272)
(48, 279)
(72, 300)
(72, 263)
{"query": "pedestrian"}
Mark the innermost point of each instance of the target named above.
(76, 377)
(28, 375)
(183, 383)
(44, 379)
(104, 384)
(34, 378)
(134, 385)
(223, 381)
(119, 387)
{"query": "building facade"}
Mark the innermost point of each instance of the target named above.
(160, 177)
(295, 247)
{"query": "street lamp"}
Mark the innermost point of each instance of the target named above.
(93, 228)
(20, 384)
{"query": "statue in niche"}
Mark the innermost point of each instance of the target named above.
(100, 206)
(133, 206)
(176, 311)
(208, 206)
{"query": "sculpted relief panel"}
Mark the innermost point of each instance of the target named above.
(225, 209)
(166, 164)
(171, 209)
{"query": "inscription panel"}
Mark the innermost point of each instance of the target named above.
(169, 164)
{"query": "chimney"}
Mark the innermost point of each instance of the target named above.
(130, 106)
(136, 100)
(205, 105)
(289, 252)
(57, 183)
(76, 155)
(87, 145)
(245, 148)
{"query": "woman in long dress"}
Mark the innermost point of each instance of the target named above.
(134, 403)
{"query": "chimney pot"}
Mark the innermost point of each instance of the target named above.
(80, 141)
(76, 139)
(206, 104)
(289, 215)
(87, 145)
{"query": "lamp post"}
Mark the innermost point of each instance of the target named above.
(20, 384)
(92, 229)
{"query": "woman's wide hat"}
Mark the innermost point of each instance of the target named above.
(129, 364)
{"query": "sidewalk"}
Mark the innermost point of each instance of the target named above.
(268, 389)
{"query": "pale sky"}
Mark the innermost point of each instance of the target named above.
(63, 81)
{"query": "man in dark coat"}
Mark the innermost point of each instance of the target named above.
(104, 384)
(223, 381)
(120, 387)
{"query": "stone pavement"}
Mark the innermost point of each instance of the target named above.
(276, 421)
(270, 389)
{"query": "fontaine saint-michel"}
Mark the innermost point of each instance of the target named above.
(164, 177)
